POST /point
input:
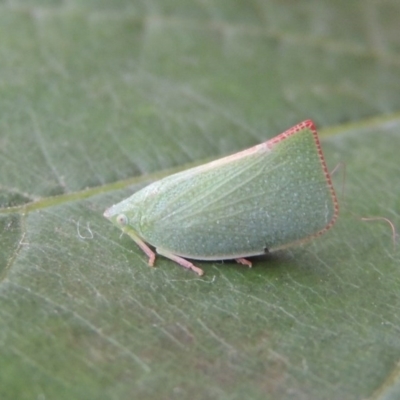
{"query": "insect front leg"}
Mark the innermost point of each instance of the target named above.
(149, 252)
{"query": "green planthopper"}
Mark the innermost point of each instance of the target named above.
(268, 197)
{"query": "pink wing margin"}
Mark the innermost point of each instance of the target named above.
(309, 124)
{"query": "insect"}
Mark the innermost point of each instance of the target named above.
(268, 197)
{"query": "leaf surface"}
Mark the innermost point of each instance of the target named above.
(100, 98)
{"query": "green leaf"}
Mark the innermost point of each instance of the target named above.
(100, 98)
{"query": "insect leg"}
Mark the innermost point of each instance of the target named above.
(181, 261)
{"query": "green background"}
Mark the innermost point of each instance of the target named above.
(99, 98)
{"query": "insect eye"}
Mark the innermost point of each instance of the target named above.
(122, 220)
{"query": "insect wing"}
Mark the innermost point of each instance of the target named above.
(266, 197)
